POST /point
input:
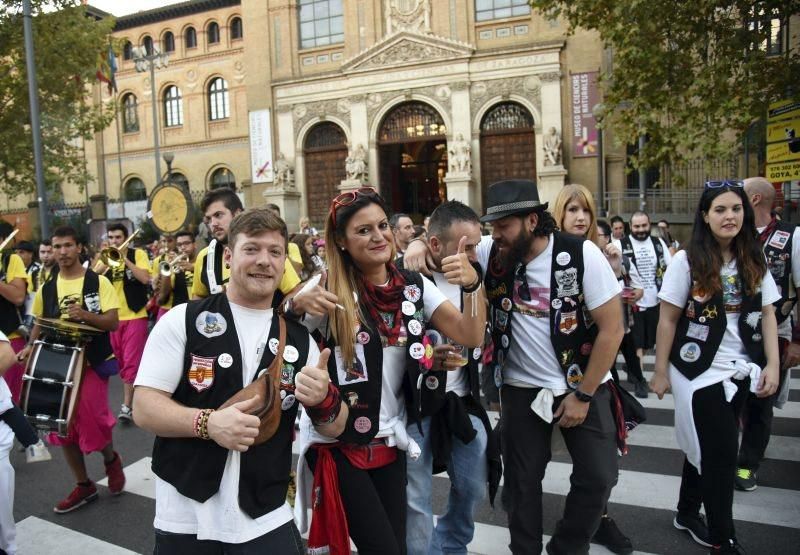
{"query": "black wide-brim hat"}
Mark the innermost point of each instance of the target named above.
(512, 196)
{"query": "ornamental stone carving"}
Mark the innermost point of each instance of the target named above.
(550, 76)
(407, 15)
(422, 93)
(481, 92)
(304, 112)
(284, 173)
(459, 157)
(552, 148)
(405, 52)
(355, 164)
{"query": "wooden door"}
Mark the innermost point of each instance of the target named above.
(325, 152)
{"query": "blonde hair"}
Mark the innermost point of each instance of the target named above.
(567, 194)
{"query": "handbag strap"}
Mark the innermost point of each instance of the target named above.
(277, 362)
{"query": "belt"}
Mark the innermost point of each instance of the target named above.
(733, 308)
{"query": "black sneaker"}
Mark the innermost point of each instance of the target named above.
(731, 547)
(609, 536)
(641, 390)
(695, 525)
(745, 479)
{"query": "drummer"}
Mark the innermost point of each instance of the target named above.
(80, 295)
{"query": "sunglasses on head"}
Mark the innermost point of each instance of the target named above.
(724, 183)
(349, 197)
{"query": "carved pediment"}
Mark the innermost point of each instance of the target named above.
(407, 48)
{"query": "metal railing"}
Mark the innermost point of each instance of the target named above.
(657, 201)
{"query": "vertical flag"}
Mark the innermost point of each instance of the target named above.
(107, 69)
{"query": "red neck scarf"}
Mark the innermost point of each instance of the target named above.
(764, 235)
(386, 299)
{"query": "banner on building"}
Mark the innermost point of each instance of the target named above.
(584, 126)
(783, 141)
(261, 146)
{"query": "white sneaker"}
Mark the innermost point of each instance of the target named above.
(37, 452)
(125, 414)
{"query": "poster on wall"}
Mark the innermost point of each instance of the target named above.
(260, 147)
(584, 127)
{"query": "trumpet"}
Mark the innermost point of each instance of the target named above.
(112, 256)
(168, 267)
(8, 239)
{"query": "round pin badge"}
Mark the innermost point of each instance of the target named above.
(756, 337)
(505, 304)
(362, 337)
(415, 327)
(476, 353)
(690, 352)
(290, 354)
(586, 349)
(702, 319)
(283, 394)
(563, 258)
(288, 402)
(556, 304)
(225, 360)
(273, 345)
(417, 351)
(408, 308)
(431, 382)
(362, 424)
(412, 293)
(504, 341)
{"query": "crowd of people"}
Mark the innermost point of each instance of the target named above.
(395, 341)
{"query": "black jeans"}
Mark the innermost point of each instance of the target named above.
(285, 539)
(374, 503)
(24, 432)
(757, 422)
(717, 425)
(526, 452)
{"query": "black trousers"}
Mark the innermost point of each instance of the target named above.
(526, 452)
(717, 425)
(285, 539)
(374, 503)
(757, 422)
(632, 363)
(24, 432)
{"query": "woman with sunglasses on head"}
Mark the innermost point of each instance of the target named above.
(717, 336)
(379, 368)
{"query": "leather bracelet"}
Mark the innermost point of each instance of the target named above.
(328, 410)
(582, 396)
(472, 288)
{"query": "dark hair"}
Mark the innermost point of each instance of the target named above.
(395, 219)
(663, 222)
(615, 219)
(640, 213)
(226, 195)
(546, 224)
(602, 224)
(705, 256)
(46, 243)
(184, 233)
(67, 231)
(255, 222)
(274, 207)
(118, 227)
(448, 213)
(308, 265)
(5, 229)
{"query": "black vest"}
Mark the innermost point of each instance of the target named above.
(661, 263)
(195, 466)
(135, 291)
(701, 328)
(99, 347)
(778, 250)
(572, 330)
(9, 313)
(360, 384)
(180, 289)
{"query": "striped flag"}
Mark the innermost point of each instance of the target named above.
(107, 69)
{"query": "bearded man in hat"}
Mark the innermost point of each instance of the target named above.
(556, 326)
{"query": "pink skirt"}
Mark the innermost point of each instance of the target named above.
(93, 421)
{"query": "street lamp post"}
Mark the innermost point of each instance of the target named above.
(145, 61)
(168, 158)
(599, 111)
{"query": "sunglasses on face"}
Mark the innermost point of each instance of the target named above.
(349, 197)
(724, 183)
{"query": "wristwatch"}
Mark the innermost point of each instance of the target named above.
(287, 310)
(582, 397)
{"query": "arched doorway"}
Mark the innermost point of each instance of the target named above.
(413, 159)
(508, 145)
(325, 151)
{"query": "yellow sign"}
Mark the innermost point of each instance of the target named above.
(779, 152)
(783, 109)
(779, 131)
(783, 172)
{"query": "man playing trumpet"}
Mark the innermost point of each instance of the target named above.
(176, 275)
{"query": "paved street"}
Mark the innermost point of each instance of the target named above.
(767, 520)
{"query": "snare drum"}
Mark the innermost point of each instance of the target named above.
(51, 384)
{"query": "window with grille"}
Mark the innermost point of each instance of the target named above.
(237, 31)
(135, 189)
(168, 42)
(411, 121)
(222, 177)
(130, 113)
(218, 103)
(508, 115)
(212, 33)
(321, 22)
(190, 37)
(173, 107)
(498, 9)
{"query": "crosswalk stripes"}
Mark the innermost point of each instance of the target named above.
(643, 500)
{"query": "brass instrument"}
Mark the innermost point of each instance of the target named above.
(8, 239)
(168, 267)
(112, 256)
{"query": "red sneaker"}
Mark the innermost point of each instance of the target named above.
(116, 477)
(79, 497)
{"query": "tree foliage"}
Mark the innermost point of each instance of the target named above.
(693, 76)
(68, 45)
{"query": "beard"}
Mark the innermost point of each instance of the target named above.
(641, 235)
(517, 250)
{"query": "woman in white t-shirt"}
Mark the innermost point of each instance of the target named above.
(709, 362)
(378, 345)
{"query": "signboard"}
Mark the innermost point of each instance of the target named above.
(780, 152)
(783, 109)
(584, 126)
(261, 147)
(784, 130)
(787, 171)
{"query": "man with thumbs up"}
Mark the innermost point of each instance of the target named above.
(217, 488)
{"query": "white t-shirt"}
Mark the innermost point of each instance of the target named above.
(394, 368)
(676, 288)
(785, 327)
(531, 358)
(647, 263)
(456, 379)
(5, 392)
(220, 518)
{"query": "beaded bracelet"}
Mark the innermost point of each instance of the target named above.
(201, 423)
(328, 410)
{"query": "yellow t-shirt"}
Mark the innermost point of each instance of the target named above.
(71, 290)
(289, 280)
(117, 275)
(16, 269)
(294, 253)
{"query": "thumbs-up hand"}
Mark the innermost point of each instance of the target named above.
(457, 268)
(311, 384)
(233, 427)
(316, 300)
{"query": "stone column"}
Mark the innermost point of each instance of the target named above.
(288, 200)
(460, 186)
(550, 178)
